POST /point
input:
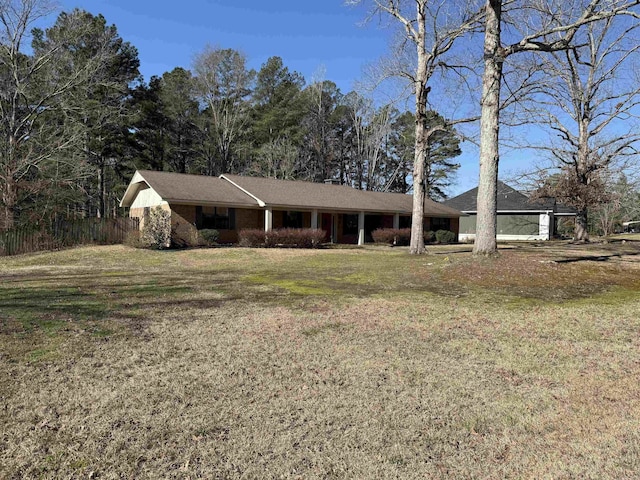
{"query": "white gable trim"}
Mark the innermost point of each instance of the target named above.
(132, 189)
(260, 202)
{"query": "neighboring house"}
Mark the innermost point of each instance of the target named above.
(518, 218)
(230, 203)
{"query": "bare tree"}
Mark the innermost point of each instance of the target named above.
(31, 90)
(433, 29)
(318, 159)
(276, 159)
(589, 99)
(370, 128)
(224, 83)
(542, 26)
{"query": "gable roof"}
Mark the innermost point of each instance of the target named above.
(240, 191)
(509, 199)
(183, 188)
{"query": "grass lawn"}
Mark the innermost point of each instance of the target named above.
(339, 363)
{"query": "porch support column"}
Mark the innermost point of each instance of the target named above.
(361, 228)
(396, 221)
(268, 219)
(314, 219)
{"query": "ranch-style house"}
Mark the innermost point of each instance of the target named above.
(230, 203)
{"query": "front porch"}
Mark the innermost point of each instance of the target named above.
(340, 226)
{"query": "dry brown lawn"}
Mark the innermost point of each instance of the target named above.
(350, 363)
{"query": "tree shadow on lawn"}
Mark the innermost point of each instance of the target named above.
(597, 258)
(51, 301)
(542, 276)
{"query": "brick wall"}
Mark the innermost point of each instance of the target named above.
(183, 219)
(245, 219)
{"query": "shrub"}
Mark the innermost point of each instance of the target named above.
(283, 237)
(383, 235)
(429, 236)
(156, 232)
(133, 239)
(209, 236)
(392, 236)
(445, 236)
(251, 238)
(295, 237)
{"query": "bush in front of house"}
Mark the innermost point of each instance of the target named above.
(156, 231)
(429, 236)
(295, 237)
(399, 236)
(384, 235)
(209, 236)
(252, 237)
(445, 236)
(133, 239)
(392, 236)
(282, 237)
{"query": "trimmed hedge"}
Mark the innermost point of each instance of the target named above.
(283, 237)
(398, 236)
(392, 236)
(445, 236)
(251, 238)
(209, 236)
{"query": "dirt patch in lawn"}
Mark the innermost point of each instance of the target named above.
(544, 275)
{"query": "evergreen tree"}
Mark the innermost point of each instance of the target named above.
(181, 112)
(99, 108)
(278, 108)
(440, 148)
(148, 145)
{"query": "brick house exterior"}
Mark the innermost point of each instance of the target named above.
(231, 203)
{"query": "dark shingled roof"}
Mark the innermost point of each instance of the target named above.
(242, 191)
(183, 188)
(509, 199)
(308, 195)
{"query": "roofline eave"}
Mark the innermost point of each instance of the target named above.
(129, 192)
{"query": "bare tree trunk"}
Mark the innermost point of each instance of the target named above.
(101, 189)
(485, 243)
(417, 221)
(581, 233)
(9, 200)
(416, 245)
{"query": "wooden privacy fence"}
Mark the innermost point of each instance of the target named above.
(66, 233)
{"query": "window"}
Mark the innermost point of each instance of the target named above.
(350, 226)
(292, 220)
(440, 224)
(405, 221)
(219, 218)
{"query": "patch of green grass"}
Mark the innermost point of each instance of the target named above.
(298, 287)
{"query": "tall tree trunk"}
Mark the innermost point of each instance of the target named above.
(417, 220)
(101, 189)
(581, 233)
(485, 243)
(9, 201)
(421, 91)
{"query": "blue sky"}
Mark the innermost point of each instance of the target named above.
(308, 35)
(312, 37)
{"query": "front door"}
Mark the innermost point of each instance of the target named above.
(328, 226)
